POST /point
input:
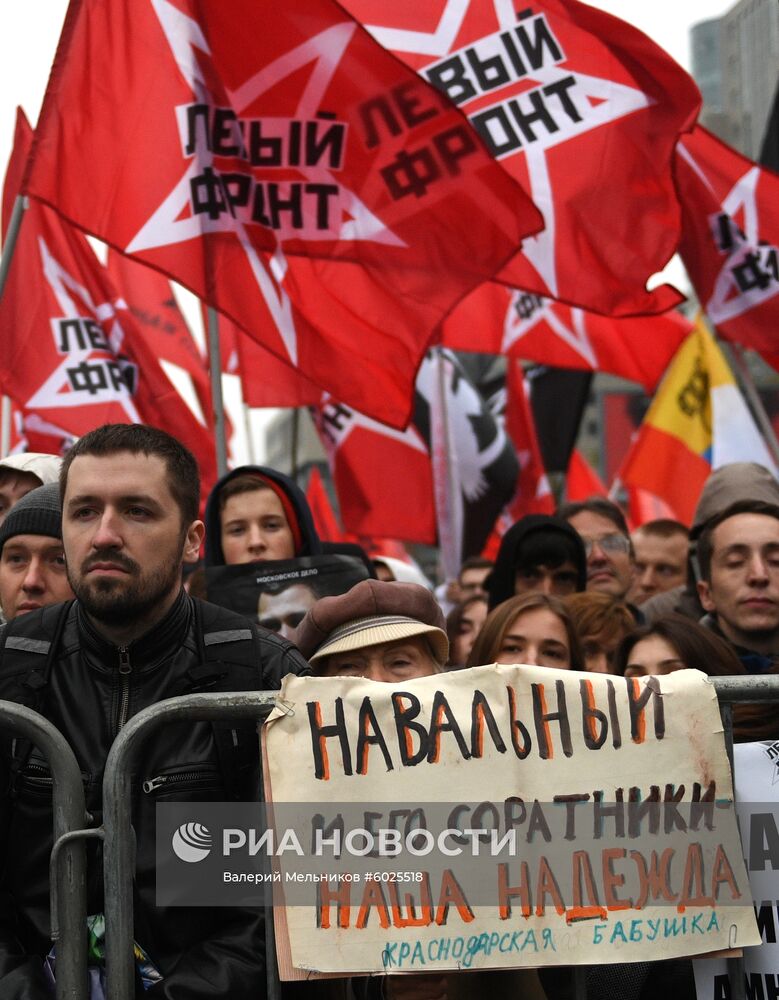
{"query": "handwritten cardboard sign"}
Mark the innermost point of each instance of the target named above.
(503, 816)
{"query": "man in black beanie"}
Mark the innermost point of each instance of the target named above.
(538, 554)
(32, 561)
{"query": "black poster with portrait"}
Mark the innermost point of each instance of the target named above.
(277, 594)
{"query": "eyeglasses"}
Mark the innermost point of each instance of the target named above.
(610, 544)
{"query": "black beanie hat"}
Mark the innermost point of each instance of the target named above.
(39, 512)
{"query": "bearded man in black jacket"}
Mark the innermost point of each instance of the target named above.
(131, 638)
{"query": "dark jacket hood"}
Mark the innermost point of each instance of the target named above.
(311, 546)
(500, 582)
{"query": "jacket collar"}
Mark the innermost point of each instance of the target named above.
(150, 649)
(754, 663)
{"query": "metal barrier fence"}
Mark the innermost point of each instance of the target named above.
(119, 838)
(68, 858)
(119, 841)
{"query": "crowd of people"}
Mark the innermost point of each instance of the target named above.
(93, 550)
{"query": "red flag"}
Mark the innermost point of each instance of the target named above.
(730, 238)
(497, 320)
(533, 495)
(378, 547)
(72, 354)
(644, 506)
(37, 434)
(697, 421)
(582, 481)
(325, 521)
(368, 461)
(385, 479)
(584, 110)
(266, 380)
(149, 297)
(29, 432)
(152, 304)
(211, 140)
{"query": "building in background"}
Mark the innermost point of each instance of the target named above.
(734, 61)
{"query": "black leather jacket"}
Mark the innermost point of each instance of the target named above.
(201, 951)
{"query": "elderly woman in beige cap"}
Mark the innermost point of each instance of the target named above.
(383, 631)
(394, 632)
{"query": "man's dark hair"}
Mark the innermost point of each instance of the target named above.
(548, 547)
(663, 527)
(249, 482)
(139, 439)
(596, 505)
(475, 562)
(705, 548)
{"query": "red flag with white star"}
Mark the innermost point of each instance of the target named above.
(279, 163)
(71, 352)
(730, 239)
(498, 320)
(584, 110)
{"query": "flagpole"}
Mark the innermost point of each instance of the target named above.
(20, 207)
(294, 443)
(5, 436)
(217, 401)
(445, 486)
(14, 226)
(249, 439)
(735, 354)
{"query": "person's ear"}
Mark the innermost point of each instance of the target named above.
(704, 595)
(194, 539)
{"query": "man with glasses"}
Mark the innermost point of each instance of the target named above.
(604, 531)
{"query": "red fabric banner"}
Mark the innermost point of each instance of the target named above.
(218, 141)
(584, 110)
(730, 239)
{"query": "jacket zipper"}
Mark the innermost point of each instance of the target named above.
(125, 672)
(44, 779)
(173, 779)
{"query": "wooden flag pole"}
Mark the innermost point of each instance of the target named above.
(217, 401)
